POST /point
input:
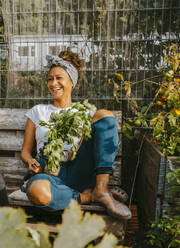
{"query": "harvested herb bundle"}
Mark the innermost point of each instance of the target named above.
(66, 128)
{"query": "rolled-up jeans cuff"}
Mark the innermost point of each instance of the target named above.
(76, 196)
(104, 170)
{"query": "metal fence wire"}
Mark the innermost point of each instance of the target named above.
(112, 36)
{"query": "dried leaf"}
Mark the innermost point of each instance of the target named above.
(153, 121)
(175, 64)
(119, 76)
(167, 59)
(127, 88)
(109, 81)
(116, 91)
(77, 230)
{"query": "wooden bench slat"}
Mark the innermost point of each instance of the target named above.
(15, 119)
(12, 119)
(9, 141)
(10, 162)
(13, 170)
(92, 207)
(17, 164)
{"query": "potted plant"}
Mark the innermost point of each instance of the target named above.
(161, 148)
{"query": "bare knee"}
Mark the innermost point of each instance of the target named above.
(101, 113)
(40, 192)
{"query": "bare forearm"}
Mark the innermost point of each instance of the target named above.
(26, 156)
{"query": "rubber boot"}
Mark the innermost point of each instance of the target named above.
(3, 193)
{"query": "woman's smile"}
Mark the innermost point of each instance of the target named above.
(55, 89)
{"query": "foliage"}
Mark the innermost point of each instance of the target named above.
(163, 112)
(165, 233)
(77, 230)
(173, 179)
(65, 128)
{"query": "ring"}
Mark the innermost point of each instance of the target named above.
(33, 164)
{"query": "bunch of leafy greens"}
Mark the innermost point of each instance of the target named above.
(64, 127)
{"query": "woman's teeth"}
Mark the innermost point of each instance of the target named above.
(54, 89)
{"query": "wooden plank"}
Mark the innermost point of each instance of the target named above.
(14, 170)
(11, 188)
(18, 203)
(133, 223)
(150, 165)
(92, 207)
(12, 119)
(153, 198)
(15, 119)
(10, 142)
(12, 164)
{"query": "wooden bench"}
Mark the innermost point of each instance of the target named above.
(12, 168)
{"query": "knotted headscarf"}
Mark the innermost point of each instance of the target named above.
(68, 67)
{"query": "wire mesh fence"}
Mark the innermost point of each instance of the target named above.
(112, 36)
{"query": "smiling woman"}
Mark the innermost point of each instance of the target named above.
(86, 177)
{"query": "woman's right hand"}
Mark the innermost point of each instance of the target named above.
(34, 166)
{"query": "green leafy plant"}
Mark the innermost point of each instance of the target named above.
(162, 114)
(77, 230)
(165, 233)
(64, 128)
(173, 178)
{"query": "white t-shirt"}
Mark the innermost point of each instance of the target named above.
(42, 112)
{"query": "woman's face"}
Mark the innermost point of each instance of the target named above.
(59, 83)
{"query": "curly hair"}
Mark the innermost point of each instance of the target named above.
(74, 59)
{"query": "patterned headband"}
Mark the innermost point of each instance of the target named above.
(68, 67)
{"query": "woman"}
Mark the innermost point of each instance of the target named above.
(86, 178)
